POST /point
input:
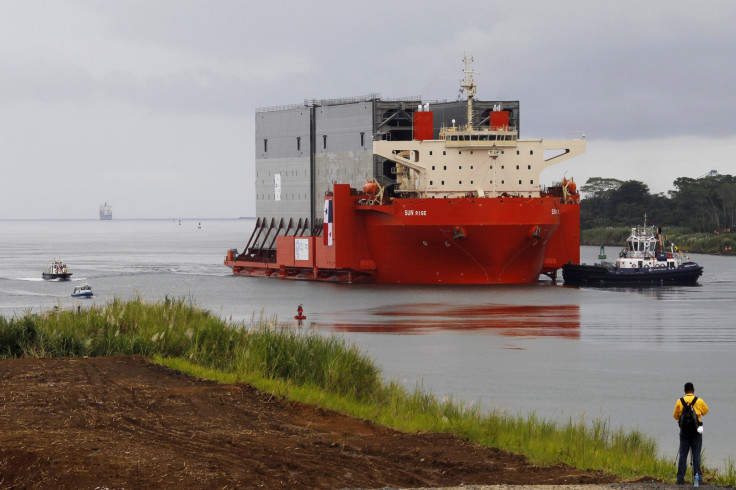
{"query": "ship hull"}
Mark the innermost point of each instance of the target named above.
(427, 241)
(61, 276)
(461, 241)
(596, 275)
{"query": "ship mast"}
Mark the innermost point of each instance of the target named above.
(470, 88)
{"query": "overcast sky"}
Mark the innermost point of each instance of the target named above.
(150, 105)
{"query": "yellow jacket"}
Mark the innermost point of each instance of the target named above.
(700, 407)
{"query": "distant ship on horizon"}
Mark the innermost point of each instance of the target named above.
(105, 211)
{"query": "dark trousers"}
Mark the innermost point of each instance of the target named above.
(688, 443)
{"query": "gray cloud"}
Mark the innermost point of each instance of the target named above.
(137, 92)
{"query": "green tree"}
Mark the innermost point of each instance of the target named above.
(599, 186)
(705, 204)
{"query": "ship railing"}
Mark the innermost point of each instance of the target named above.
(469, 193)
(479, 138)
(347, 100)
(487, 130)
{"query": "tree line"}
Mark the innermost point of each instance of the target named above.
(703, 205)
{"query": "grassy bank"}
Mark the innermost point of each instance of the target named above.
(323, 371)
(706, 243)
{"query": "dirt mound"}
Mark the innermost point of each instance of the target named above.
(122, 422)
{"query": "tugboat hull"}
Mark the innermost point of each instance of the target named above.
(61, 276)
(597, 275)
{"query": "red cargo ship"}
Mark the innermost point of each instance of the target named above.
(467, 208)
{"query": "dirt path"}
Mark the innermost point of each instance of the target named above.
(119, 422)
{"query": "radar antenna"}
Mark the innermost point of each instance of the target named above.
(470, 88)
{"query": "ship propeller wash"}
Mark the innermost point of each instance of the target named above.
(448, 204)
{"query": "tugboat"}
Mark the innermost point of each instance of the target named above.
(640, 263)
(83, 291)
(57, 270)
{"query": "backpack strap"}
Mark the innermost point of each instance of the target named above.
(692, 403)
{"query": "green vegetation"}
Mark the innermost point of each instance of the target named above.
(698, 215)
(323, 371)
(706, 243)
(704, 205)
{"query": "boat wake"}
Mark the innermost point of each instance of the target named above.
(22, 292)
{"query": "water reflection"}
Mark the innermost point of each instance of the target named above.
(649, 291)
(420, 318)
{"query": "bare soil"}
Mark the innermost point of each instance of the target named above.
(121, 422)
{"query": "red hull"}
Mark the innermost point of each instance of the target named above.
(429, 241)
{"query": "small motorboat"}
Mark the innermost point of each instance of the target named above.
(641, 263)
(57, 270)
(83, 291)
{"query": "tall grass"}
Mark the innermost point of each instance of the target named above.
(324, 371)
(179, 329)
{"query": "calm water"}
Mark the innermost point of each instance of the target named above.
(622, 355)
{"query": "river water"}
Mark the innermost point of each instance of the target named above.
(621, 355)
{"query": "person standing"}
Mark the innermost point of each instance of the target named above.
(691, 437)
